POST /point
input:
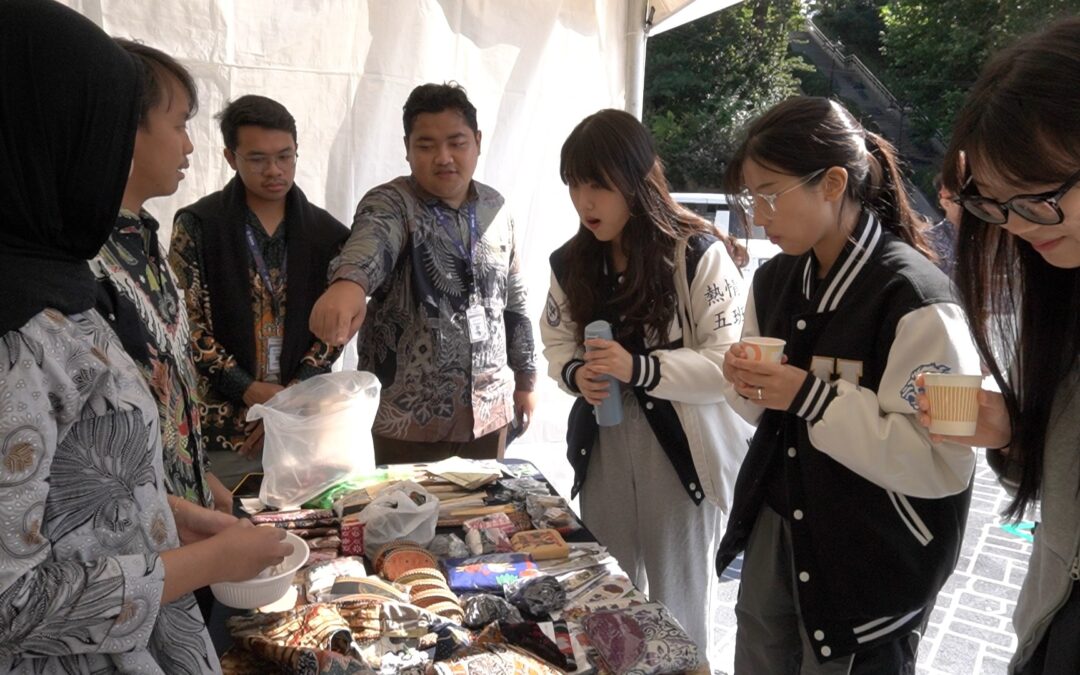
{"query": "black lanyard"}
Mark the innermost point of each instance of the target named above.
(264, 271)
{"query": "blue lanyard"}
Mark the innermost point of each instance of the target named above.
(264, 271)
(467, 252)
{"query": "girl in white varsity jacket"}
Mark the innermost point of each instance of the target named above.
(641, 492)
(1019, 277)
(849, 515)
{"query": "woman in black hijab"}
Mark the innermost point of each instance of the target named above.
(92, 575)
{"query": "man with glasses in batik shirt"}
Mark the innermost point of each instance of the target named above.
(252, 259)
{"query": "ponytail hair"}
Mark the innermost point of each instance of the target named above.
(888, 198)
(803, 134)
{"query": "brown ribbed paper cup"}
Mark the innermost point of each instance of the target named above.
(764, 348)
(954, 402)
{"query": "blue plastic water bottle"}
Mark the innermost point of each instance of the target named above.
(609, 411)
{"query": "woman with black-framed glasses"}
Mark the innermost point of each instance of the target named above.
(1015, 156)
(1043, 208)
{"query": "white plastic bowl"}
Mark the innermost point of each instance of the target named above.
(261, 591)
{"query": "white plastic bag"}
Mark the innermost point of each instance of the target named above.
(318, 433)
(402, 511)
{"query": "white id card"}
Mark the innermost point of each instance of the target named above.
(478, 327)
(273, 355)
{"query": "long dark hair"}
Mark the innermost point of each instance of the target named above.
(1020, 123)
(803, 134)
(613, 149)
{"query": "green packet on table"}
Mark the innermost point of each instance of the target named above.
(352, 484)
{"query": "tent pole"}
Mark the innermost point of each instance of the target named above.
(638, 19)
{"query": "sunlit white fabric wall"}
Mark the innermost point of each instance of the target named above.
(533, 68)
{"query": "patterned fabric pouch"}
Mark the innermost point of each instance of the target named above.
(488, 573)
(641, 640)
(311, 639)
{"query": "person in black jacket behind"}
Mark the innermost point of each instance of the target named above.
(851, 518)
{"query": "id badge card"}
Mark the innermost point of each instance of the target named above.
(478, 326)
(273, 355)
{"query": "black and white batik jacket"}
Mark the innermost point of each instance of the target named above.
(876, 510)
(662, 372)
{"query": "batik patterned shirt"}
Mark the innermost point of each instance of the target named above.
(411, 252)
(223, 381)
(83, 511)
(139, 298)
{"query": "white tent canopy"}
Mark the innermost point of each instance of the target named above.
(533, 68)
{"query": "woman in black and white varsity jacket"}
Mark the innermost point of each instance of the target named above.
(850, 517)
(641, 492)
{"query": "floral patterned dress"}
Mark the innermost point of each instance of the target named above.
(83, 511)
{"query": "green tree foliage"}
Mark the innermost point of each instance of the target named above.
(706, 79)
(856, 23)
(934, 48)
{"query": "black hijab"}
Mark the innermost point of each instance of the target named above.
(68, 116)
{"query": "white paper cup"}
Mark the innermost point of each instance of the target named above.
(764, 348)
(954, 402)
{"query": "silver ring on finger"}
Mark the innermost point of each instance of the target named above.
(760, 393)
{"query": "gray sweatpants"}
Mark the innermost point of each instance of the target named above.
(635, 504)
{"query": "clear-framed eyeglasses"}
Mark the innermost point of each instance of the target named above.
(1040, 209)
(748, 201)
(260, 163)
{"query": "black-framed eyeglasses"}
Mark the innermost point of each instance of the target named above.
(1040, 209)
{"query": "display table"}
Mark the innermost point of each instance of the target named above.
(571, 609)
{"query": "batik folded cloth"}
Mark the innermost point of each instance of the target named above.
(319, 578)
(499, 521)
(401, 619)
(300, 519)
(551, 511)
(310, 639)
(641, 640)
(488, 573)
(527, 635)
(536, 596)
(401, 656)
(448, 546)
(484, 608)
(490, 540)
(263, 658)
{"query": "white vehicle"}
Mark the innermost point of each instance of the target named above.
(714, 206)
